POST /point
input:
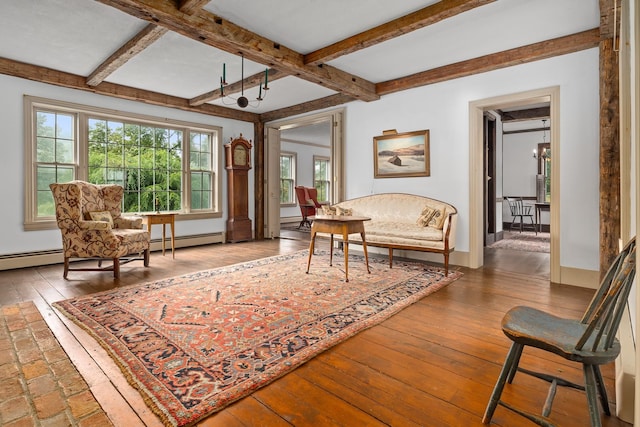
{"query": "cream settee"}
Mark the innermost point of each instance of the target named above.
(398, 222)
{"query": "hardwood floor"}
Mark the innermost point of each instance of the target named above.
(433, 364)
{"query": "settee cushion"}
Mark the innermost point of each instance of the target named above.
(425, 216)
(437, 220)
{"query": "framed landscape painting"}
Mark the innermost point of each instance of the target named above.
(401, 154)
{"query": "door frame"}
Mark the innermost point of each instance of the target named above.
(272, 132)
(476, 170)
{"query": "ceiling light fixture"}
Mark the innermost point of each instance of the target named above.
(544, 153)
(242, 100)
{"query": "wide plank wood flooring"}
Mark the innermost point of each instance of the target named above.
(433, 364)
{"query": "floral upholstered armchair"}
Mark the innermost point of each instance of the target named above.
(89, 218)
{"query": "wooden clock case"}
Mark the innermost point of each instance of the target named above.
(238, 164)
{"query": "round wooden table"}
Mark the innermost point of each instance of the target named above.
(339, 224)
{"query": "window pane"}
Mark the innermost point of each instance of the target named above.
(65, 126)
(46, 206)
(46, 150)
(64, 151)
(46, 124)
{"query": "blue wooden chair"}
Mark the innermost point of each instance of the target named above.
(590, 341)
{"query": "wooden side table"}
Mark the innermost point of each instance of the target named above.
(338, 224)
(163, 218)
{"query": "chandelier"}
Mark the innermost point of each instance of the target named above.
(242, 100)
(545, 153)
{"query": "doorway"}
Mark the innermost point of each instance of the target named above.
(478, 177)
(489, 141)
(280, 133)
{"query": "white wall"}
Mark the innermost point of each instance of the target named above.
(14, 239)
(443, 108)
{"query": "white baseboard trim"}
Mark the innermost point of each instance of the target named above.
(625, 371)
(579, 277)
(54, 256)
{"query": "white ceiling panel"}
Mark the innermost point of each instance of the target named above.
(74, 36)
(308, 25)
(498, 26)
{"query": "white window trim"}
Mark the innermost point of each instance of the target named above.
(32, 222)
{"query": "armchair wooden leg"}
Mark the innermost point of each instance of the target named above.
(146, 258)
(116, 268)
(66, 267)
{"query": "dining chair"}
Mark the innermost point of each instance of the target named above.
(590, 341)
(520, 211)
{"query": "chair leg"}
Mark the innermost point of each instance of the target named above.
(591, 389)
(510, 364)
(513, 221)
(116, 268)
(602, 390)
(66, 267)
(515, 363)
(146, 257)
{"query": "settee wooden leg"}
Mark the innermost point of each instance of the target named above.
(116, 268)
(390, 257)
(446, 264)
(146, 258)
(66, 267)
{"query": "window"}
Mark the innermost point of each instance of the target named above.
(55, 155)
(149, 157)
(544, 170)
(321, 178)
(287, 178)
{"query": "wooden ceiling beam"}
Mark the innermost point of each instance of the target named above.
(236, 87)
(389, 30)
(520, 55)
(528, 114)
(214, 31)
(137, 44)
(74, 81)
(306, 107)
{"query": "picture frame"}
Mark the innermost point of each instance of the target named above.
(398, 155)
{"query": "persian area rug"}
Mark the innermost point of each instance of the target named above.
(526, 241)
(193, 344)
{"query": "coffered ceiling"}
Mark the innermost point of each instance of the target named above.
(319, 53)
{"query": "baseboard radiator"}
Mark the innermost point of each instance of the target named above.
(48, 257)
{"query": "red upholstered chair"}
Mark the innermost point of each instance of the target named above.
(308, 201)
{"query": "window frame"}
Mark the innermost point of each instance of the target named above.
(82, 114)
(293, 178)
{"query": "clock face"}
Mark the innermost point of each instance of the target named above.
(240, 156)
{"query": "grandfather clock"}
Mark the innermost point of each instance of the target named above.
(238, 163)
